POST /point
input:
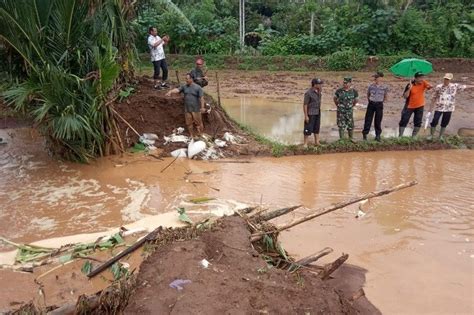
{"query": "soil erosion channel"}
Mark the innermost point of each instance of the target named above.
(416, 244)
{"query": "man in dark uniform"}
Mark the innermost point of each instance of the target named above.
(345, 99)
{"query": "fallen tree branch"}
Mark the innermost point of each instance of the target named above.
(326, 210)
(330, 268)
(164, 169)
(150, 236)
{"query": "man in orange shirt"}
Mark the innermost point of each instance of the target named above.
(415, 96)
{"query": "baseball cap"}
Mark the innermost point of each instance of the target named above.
(316, 81)
(419, 74)
(448, 76)
(347, 79)
(378, 74)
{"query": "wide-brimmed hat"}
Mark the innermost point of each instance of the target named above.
(448, 76)
(347, 79)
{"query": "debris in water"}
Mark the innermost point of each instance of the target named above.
(179, 283)
(183, 216)
(201, 200)
(360, 214)
(205, 263)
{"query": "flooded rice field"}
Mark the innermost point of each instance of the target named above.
(271, 103)
(416, 244)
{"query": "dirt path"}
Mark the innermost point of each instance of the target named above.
(236, 282)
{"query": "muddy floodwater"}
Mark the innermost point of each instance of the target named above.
(417, 244)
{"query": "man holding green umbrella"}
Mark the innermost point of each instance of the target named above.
(415, 95)
(414, 92)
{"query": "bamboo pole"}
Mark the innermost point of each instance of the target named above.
(177, 76)
(218, 90)
(276, 213)
(326, 210)
(150, 236)
(312, 258)
(125, 121)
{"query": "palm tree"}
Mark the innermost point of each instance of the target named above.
(75, 54)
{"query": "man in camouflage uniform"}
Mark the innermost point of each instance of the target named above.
(345, 99)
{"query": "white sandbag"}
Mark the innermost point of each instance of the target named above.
(220, 143)
(195, 148)
(179, 153)
(229, 137)
(150, 136)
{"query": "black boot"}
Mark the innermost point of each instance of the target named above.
(364, 136)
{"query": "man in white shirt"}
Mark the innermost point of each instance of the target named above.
(443, 101)
(157, 54)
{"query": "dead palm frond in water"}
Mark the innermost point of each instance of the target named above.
(75, 53)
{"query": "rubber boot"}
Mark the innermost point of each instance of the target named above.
(415, 131)
(364, 136)
(432, 133)
(350, 132)
(401, 130)
(341, 133)
(441, 133)
(377, 138)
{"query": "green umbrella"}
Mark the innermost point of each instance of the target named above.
(408, 67)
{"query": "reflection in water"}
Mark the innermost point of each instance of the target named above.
(281, 120)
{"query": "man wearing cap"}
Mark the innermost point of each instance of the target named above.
(415, 93)
(312, 111)
(376, 95)
(345, 99)
(193, 105)
(198, 74)
(157, 54)
(443, 99)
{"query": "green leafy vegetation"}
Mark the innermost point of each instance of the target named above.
(432, 28)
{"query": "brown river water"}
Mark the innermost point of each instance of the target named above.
(417, 244)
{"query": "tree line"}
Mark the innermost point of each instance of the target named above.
(430, 28)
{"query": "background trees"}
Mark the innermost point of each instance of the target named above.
(432, 28)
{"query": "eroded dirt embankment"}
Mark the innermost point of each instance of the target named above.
(237, 280)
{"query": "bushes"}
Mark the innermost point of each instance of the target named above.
(348, 59)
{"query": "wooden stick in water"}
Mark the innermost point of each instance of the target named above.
(326, 210)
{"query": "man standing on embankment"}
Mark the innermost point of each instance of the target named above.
(415, 95)
(376, 95)
(312, 111)
(193, 105)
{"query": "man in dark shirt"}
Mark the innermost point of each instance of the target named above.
(312, 111)
(193, 105)
(198, 75)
